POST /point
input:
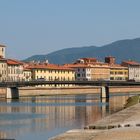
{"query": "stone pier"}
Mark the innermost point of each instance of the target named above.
(12, 93)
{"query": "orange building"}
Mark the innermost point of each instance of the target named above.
(100, 71)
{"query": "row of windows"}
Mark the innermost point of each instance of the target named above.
(55, 71)
(55, 78)
(81, 75)
(15, 71)
(29, 74)
(136, 75)
(3, 72)
(2, 79)
(14, 78)
(3, 65)
(120, 72)
(118, 78)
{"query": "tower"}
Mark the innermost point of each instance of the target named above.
(2, 51)
(110, 60)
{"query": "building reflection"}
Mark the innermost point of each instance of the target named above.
(48, 113)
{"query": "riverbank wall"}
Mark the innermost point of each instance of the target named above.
(42, 91)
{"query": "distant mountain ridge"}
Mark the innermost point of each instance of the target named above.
(122, 50)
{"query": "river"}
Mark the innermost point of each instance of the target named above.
(40, 118)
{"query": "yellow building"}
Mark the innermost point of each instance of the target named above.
(51, 72)
(118, 72)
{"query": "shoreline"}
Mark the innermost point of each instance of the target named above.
(121, 125)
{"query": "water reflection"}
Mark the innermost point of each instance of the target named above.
(47, 116)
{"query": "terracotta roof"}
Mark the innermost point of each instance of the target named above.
(100, 64)
(14, 62)
(2, 45)
(130, 63)
(49, 66)
(78, 65)
(3, 59)
(26, 69)
(117, 66)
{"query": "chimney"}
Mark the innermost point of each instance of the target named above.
(110, 60)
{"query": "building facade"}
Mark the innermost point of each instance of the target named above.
(2, 51)
(86, 61)
(27, 74)
(82, 71)
(133, 70)
(91, 69)
(3, 69)
(100, 71)
(51, 72)
(14, 70)
(118, 72)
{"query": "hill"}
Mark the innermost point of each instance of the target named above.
(122, 50)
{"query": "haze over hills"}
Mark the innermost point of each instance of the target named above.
(122, 50)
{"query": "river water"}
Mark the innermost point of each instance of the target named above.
(39, 118)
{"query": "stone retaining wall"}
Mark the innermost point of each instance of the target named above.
(74, 90)
(37, 91)
(2, 92)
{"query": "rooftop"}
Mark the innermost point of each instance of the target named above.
(14, 62)
(78, 65)
(2, 45)
(49, 66)
(131, 63)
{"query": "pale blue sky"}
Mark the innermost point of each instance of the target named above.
(29, 27)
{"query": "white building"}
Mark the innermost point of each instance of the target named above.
(3, 64)
(82, 71)
(2, 51)
(3, 69)
(133, 70)
(27, 74)
(15, 70)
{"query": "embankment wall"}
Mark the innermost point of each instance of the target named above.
(42, 91)
(74, 90)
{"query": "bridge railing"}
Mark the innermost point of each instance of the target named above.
(80, 83)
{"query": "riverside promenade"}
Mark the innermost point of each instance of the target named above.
(123, 125)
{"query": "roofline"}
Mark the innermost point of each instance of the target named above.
(2, 45)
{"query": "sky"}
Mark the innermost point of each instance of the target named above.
(30, 27)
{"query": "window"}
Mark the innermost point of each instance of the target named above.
(78, 75)
(111, 72)
(112, 78)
